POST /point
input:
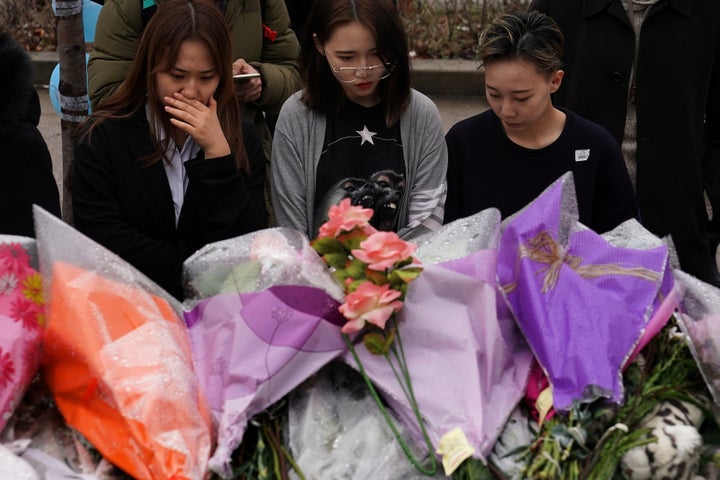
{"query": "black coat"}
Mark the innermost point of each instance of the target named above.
(26, 173)
(128, 207)
(678, 89)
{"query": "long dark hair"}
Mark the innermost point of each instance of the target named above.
(175, 22)
(322, 91)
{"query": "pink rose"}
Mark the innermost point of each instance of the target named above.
(382, 250)
(343, 218)
(369, 303)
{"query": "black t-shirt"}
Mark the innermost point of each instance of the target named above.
(486, 169)
(362, 159)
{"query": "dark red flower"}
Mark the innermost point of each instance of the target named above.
(269, 33)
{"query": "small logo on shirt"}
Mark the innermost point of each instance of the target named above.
(582, 155)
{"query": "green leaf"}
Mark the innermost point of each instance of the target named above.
(327, 245)
(353, 240)
(376, 343)
(378, 278)
(340, 275)
(354, 285)
(408, 274)
(336, 260)
(473, 469)
(355, 268)
(403, 263)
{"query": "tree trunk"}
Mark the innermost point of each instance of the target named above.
(72, 87)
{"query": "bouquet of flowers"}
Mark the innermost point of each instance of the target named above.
(264, 318)
(22, 318)
(628, 395)
(592, 295)
(375, 269)
(118, 361)
(447, 347)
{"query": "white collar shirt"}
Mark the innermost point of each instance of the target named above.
(175, 158)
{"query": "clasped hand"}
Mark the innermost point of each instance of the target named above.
(200, 122)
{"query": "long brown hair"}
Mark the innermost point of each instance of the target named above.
(322, 91)
(175, 22)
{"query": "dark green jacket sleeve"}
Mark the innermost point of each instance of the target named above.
(278, 58)
(117, 33)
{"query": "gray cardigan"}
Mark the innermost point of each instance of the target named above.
(298, 141)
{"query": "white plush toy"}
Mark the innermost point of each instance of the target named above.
(14, 467)
(677, 450)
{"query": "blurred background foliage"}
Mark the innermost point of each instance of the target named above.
(436, 28)
(450, 28)
(30, 22)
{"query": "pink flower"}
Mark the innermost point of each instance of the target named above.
(382, 250)
(14, 258)
(7, 369)
(369, 303)
(343, 218)
(24, 311)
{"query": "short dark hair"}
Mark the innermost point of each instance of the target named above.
(530, 36)
(322, 92)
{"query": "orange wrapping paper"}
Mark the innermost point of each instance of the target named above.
(119, 364)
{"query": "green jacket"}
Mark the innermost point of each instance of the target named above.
(118, 31)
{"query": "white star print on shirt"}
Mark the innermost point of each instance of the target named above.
(366, 135)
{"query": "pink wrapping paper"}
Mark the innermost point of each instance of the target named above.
(22, 316)
(262, 321)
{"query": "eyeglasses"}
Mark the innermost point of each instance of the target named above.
(354, 74)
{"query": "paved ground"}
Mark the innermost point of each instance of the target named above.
(452, 109)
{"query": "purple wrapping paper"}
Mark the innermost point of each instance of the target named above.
(468, 365)
(252, 349)
(263, 317)
(581, 302)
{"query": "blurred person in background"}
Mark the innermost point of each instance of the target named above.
(649, 72)
(26, 171)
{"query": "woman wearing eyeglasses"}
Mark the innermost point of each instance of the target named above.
(358, 130)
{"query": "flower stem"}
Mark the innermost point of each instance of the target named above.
(409, 393)
(411, 398)
(398, 377)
